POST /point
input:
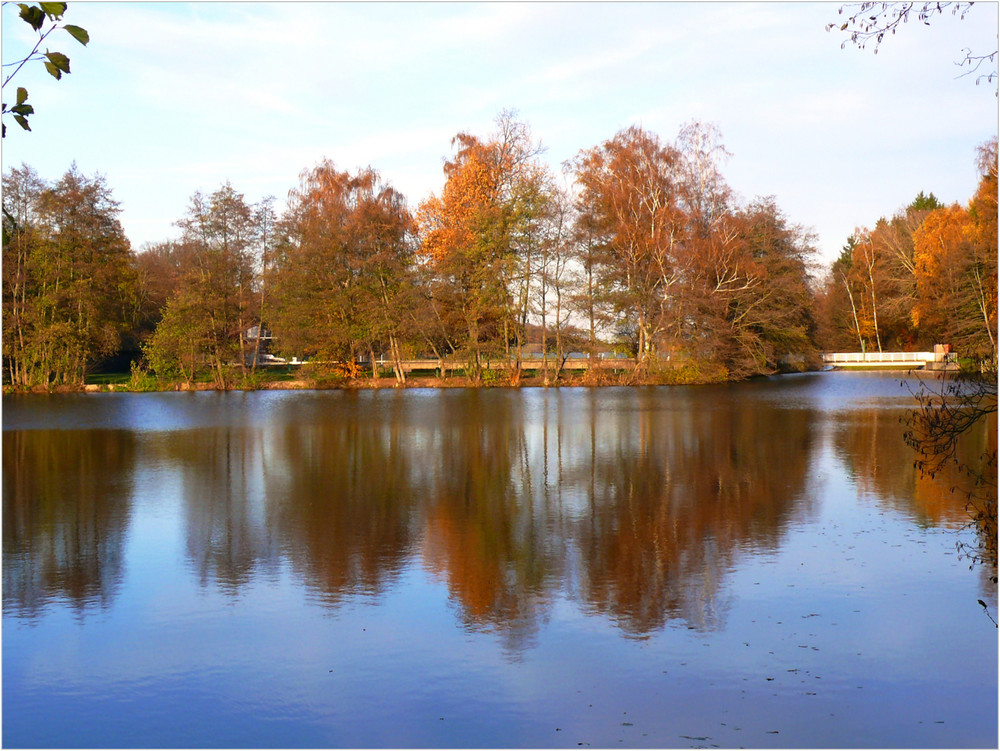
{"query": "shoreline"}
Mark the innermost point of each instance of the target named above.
(369, 384)
(390, 383)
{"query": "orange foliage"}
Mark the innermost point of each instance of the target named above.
(452, 223)
(983, 206)
(938, 246)
(941, 236)
(955, 261)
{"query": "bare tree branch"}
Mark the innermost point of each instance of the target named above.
(868, 23)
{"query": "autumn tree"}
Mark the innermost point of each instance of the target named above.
(532, 269)
(67, 277)
(556, 283)
(955, 252)
(481, 238)
(982, 268)
(877, 295)
(952, 282)
(870, 300)
(207, 315)
(695, 279)
(838, 326)
(164, 269)
(462, 234)
(747, 291)
(22, 188)
(705, 194)
(590, 296)
(341, 279)
(629, 196)
(265, 219)
(892, 241)
(159, 270)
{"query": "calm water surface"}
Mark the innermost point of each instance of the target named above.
(753, 565)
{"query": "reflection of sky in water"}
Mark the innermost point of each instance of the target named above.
(835, 614)
(842, 390)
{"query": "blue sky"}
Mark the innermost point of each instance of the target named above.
(171, 98)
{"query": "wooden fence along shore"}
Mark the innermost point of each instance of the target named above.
(571, 363)
(941, 361)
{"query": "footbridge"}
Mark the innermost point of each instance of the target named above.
(940, 359)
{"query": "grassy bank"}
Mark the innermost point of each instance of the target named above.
(314, 378)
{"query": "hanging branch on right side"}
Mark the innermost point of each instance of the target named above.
(868, 23)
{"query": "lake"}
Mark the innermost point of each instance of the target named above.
(751, 565)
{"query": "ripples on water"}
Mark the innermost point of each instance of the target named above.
(746, 565)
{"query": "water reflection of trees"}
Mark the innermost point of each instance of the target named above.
(343, 503)
(342, 491)
(680, 494)
(331, 498)
(229, 538)
(870, 443)
(634, 502)
(485, 528)
(634, 508)
(638, 512)
(976, 459)
(66, 509)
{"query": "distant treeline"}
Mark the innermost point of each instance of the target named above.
(639, 245)
(926, 275)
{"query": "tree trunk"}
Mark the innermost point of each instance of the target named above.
(397, 360)
(560, 360)
(854, 312)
